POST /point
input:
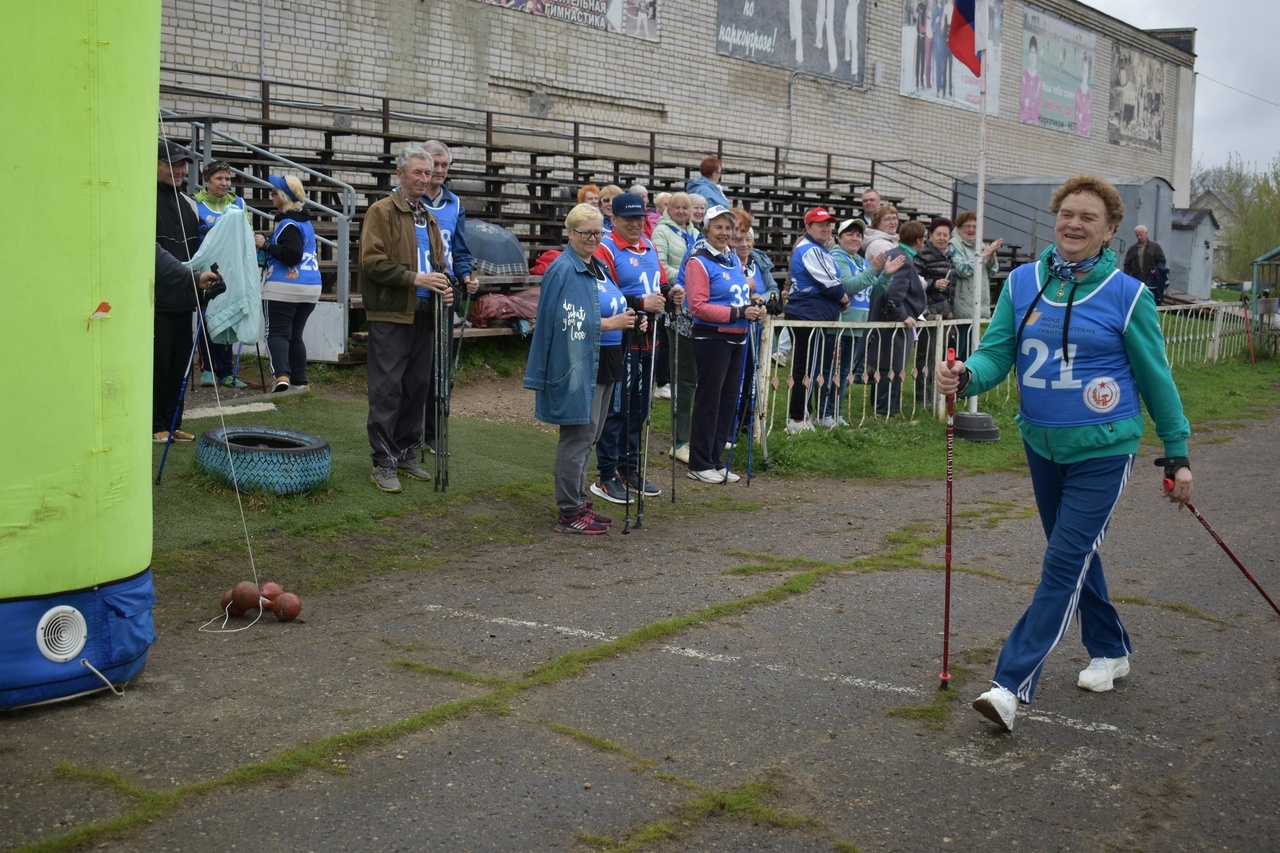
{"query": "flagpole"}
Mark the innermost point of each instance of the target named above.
(980, 271)
(974, 425)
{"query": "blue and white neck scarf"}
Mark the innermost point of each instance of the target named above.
(1065, 270)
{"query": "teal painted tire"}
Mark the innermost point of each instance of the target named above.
(265, 459)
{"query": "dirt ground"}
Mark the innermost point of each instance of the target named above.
(754, 669)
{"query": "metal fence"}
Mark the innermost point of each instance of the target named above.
(856, 372)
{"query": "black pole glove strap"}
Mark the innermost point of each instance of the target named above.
(1172, 464)
(964, 380)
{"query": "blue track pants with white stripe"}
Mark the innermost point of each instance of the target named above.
(1075, 502)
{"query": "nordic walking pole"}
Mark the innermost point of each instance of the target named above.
(753, 342)
(642, 464)
(737, 416)
(672, 336)
(457, 356)
(443, 364)
(628, 372)
(1168, 486)
(951, 469)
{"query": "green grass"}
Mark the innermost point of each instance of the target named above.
(191, 510)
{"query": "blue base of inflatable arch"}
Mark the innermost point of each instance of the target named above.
(119, 634)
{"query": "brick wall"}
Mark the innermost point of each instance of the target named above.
(467, 53)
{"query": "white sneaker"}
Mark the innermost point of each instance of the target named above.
(681, 453)
(1101, 673)
(726, 474)
(780, 358)
(711, 475)
(826, 423)
(999, 706)
(797, 427)
(662, 392)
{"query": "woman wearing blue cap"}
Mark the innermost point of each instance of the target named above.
(290, 281)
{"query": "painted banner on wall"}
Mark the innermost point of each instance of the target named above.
(930, 72)
(629, 17)
(1137, 99)
(1057, 74)
(823, 37)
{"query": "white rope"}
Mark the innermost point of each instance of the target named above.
(217, 397)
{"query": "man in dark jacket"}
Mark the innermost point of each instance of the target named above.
(1145, 261)
(177, 237)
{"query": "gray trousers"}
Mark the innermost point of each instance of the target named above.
(400, 359)
(573, 453)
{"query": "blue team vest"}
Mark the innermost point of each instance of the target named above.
(308, 269)
(860, 301)
(611, 303)
(728, 286)
(209, 216)
(638, 273)
(1096, 386)
(424, 254)
(445, 210)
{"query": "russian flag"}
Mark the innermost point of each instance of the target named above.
(968, 35)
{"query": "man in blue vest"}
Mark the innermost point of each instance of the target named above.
(452, 219)
(635, 266)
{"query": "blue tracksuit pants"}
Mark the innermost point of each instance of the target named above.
(1075, 502)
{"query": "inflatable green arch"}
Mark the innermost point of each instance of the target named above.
(78, 139)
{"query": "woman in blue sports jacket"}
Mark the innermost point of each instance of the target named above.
(1085, 341)
(575, 358)
(722, 305)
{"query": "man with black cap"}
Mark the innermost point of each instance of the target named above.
(177, 237)
(634, 265)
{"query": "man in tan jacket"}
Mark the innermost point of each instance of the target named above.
(402, 270)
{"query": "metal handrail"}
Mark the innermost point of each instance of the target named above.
(341, 244)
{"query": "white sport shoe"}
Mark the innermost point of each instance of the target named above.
(662, 392)
(780, 358)
(711, 475)
(726, 474)
(826, 423)
(797, 427)
(1101, 673)
(999, 706)
(681, 453)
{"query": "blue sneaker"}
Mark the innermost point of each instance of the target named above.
(232, 382)
(206, 379)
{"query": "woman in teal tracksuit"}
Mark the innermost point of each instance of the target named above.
(1085, 340)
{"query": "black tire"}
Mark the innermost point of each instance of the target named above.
(265, 459)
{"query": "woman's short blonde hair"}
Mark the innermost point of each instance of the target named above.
(610, 192)
(295, 186)
(582, 214)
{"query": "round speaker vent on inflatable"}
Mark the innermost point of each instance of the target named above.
(265, 459)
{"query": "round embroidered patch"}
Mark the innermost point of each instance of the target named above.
(1102, 394)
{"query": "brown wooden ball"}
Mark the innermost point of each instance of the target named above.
(287, 607)
(244, 596)
(271, 590)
